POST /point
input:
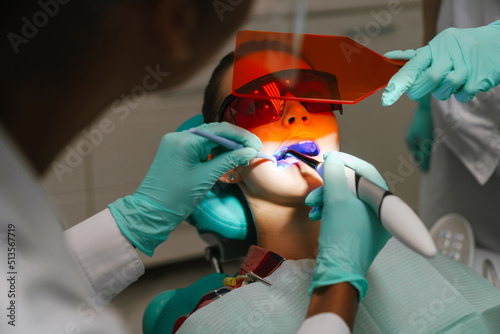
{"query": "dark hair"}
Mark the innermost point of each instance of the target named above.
(213, 98)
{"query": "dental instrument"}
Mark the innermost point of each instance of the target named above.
(257, 278)
(396, 216)
(228, 143)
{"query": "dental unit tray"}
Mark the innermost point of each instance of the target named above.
(454, 238)
(396, 216)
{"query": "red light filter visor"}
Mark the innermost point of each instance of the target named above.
(294, 84)
(346, 70)
(271, 91)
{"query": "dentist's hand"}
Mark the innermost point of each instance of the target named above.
(351, 235)
(177, 180)
(420, 134)
(463, 62)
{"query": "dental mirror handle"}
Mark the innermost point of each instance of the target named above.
(396, 216)
(228, 143)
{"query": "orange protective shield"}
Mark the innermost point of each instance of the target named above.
(356, 71)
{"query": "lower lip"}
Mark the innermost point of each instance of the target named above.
(303, 169)
(297, 163)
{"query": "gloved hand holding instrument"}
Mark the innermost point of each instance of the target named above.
(177, 180)
(350, 234)
(462, 62)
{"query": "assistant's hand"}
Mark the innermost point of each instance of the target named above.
(351, 235)
(420, 134)
(177, 180)
(463, 62)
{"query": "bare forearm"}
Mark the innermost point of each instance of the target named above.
(341, 299)
(430, 13)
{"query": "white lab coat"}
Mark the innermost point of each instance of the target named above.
(463, 176)
(61, 281)
(53, 293)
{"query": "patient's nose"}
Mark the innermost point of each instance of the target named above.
(295, 114)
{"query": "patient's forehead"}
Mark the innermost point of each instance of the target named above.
(260, 63)
(268, 131)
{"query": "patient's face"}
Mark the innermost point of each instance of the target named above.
(291, 181)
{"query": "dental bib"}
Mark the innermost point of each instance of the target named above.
(258, 307)
(407, 294)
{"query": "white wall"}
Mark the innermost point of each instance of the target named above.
(119, 160)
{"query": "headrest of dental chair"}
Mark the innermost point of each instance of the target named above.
(223, 210)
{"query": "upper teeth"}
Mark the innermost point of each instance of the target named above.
(300, 142)
(294, 146)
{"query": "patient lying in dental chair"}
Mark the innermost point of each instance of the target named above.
(270, 294)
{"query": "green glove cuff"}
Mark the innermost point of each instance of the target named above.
(143, 222)
(357, 281)
(334, 266)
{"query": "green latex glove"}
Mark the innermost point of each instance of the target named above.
(351, 234)
(463, 62)
(420, 134)
(177, 180)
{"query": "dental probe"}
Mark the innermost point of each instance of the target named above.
(396, 216)
(228, 143)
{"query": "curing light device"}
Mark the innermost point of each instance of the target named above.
(228, 143)
(396, 216)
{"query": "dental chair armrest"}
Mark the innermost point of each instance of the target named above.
(221, 250)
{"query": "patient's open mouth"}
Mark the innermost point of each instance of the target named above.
(306, 147)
